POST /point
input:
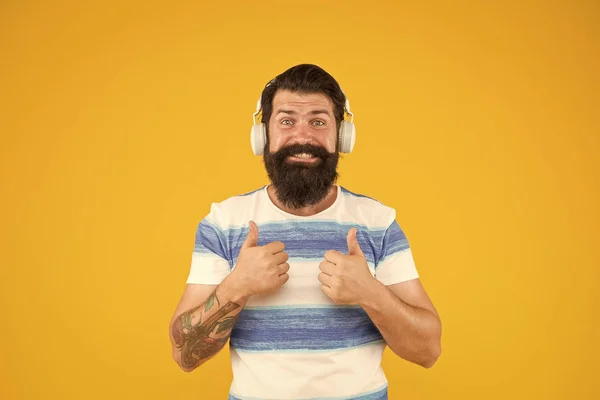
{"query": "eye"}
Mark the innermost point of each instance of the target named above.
(286, 122)
(318, 122)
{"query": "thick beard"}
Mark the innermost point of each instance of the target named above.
(301, 185)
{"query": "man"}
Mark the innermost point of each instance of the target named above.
(309, 280)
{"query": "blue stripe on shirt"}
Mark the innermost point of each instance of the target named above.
(314, 329)
(210, 239)
(302, 239)
(394, 241)
(307, 240)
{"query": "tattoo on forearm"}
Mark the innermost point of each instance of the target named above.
(207, 336)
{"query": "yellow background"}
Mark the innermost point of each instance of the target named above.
(120, 124)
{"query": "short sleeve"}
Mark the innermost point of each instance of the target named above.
(210, 263)
(396, 263)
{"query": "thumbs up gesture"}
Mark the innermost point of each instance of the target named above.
(260, 268)
(346, 279)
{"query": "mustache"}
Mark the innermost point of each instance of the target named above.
(316, 151)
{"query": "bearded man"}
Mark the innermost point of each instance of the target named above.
(309, 281)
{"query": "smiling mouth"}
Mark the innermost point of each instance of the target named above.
(303, 157)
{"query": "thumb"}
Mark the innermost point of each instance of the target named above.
(252, 238)
(353, 246)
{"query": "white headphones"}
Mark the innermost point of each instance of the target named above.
(346, 135)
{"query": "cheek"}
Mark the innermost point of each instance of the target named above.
(330, 141)
(278, 139)
(274, 141)
(333, 143)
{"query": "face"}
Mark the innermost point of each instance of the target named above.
(301, 119)
(302, 157)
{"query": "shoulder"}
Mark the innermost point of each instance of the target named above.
(372, 212)
(357, 196)
(222, 212)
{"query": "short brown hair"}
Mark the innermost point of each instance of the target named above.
(304, 78)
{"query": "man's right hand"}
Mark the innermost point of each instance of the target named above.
(260, 269)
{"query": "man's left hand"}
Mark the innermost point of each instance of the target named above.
(346, 279)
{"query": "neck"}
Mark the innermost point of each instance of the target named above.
(308, 210)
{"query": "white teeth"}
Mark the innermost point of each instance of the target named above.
(303, 155)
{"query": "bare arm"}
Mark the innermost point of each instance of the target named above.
(406, 318)
(203, 322)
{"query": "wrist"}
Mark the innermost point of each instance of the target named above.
(371, 295)
(234, 290)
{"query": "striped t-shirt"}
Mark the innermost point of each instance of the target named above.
(295, 343)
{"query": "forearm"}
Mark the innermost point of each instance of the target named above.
(412, 333)
(202, 331)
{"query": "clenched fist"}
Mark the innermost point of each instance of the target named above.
(260, 268)
(346, 279)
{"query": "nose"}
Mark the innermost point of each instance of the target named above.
(302, 134)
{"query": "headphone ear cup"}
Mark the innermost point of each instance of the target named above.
(347, 137)
(258, 139)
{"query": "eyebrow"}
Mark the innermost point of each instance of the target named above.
(313, 112)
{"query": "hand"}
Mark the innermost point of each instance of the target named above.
(260, 268)
(346, 279)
